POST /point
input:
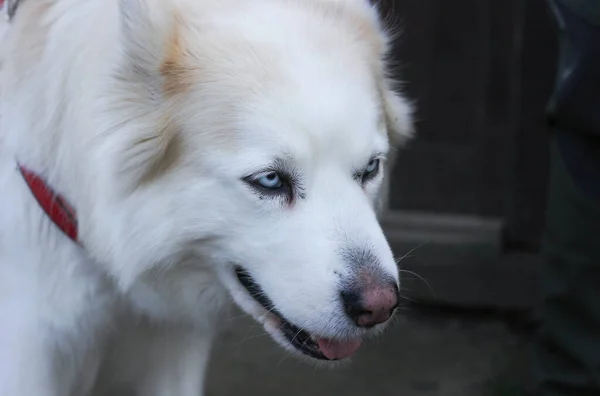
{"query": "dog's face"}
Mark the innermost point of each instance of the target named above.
(279, 126)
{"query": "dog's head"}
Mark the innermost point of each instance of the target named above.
(256, 134)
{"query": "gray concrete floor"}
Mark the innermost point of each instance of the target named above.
(423, 354)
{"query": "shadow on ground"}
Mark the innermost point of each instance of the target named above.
(425, 353)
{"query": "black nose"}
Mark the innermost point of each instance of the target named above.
(372, 305)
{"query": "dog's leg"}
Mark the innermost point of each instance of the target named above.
(36, 361)
(26, 363)
(161, 360)
(177, 363)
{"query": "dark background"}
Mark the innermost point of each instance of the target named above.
(481, 73)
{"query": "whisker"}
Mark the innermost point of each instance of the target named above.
(297, 334)
(408, 299)
(254, 337)
(285, 355)
(421, 278)
(236, 317)
(412, 251)
(254, 325)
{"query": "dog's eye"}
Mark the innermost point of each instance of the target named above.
(270, 181)
(372, 166)
(275, 183)
(371, 170)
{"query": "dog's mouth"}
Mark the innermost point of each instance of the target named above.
(309, 344)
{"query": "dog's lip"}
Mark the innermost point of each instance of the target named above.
(298, 338)
(316, 347)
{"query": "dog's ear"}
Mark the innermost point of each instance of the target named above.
(399, 122)
(146, 27)
(398, 115)
(152, 143)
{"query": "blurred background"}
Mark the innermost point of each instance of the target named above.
(466, 209)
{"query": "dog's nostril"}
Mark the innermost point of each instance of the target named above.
(371, 306)
(352, 304)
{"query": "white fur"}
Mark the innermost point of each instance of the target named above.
(82, 96)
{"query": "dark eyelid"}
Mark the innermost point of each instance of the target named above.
(278, 166)
(289, 176)
(381, 156)
(364, 177)
(359, 173)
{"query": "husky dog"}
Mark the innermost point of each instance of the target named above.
(211, 151)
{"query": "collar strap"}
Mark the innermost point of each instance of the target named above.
(55, 205)
(9, 7)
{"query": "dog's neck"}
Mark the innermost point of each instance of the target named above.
(57, 59)
(54, 68)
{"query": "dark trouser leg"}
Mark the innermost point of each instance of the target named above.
(567, 350)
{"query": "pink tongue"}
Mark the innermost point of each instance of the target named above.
(338, 349)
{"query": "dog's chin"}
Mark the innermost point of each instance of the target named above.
(250, 298)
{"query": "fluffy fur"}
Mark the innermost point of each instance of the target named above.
(150, 116)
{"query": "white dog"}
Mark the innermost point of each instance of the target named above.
(211, 150)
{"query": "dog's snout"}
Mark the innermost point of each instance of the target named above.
(372, 305)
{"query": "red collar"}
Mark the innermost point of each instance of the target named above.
(55, 205)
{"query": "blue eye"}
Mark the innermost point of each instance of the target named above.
(370, 171)
(373, 166)
(270, 181)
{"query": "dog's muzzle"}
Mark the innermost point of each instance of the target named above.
(305, 342)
